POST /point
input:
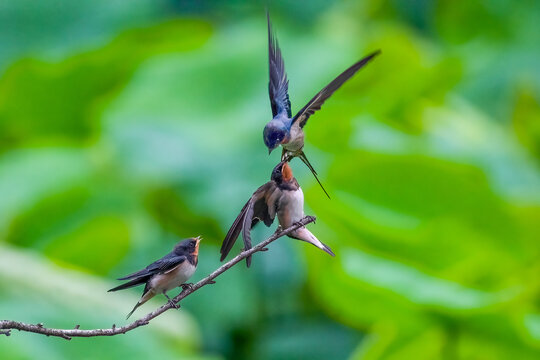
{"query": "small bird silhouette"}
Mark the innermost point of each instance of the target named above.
(167, 273)
(281, 196)
(284, 129)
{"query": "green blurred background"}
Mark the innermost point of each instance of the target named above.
(127, 125)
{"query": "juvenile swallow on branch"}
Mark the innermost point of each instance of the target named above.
(169, 272)
(281, 196)
(284, 129)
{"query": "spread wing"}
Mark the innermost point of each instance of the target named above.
(278, 86)
(316, 102)
(168, 262)
(261, 206)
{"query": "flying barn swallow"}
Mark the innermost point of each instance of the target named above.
(284, 129)
(169, 272)
(281, 196)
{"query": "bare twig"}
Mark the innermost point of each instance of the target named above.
(7, 325)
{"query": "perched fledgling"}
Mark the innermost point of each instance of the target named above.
(284, 129)
(281, 196)
(169, 272)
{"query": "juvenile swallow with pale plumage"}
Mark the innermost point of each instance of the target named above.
(284, 129)
(281, 196)
(167, 273)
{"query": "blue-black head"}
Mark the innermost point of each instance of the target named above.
(188, 246)
(282, 173)
(274, 133)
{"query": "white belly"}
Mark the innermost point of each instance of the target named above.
(172, 279)
(291, 207)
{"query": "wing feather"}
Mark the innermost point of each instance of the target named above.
(253, 211)
(278, 85)
(318, 100)
(233, 232)
(166, 263)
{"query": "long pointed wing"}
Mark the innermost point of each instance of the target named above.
(233, 233)
(316, 102)
(167, 262)
(261, 207)
(164, 264)
(278, 86)
(254, 210)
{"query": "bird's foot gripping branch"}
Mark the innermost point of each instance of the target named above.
(6, 326)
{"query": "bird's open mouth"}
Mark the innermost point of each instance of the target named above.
(286, 172)
(198, 239)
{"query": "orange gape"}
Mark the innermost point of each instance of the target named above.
(196, 252)
(287, 172)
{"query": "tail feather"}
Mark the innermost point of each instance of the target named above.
(134, 308)
(306, 235)
(147, 295)
(304, 158)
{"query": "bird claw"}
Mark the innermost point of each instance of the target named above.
(173, 305)
(311, 218)
(279, 229)
(187, 286)
(171, 302)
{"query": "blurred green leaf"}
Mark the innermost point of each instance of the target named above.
(26, 176)
(526, 120)
(41, 101)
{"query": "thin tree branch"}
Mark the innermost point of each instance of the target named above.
(7, 325)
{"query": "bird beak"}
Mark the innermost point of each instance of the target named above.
(270, 151)
(198, 239)
(286, 172)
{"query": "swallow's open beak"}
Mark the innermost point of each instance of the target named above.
(286, 172)
(198, 241)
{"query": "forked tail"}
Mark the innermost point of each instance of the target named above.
(306, 235)
(304, 158)
(134, 308)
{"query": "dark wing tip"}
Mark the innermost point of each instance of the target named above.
(135, 274)
(116, 288)
(271, 39)
(317, 101)
(371, 56)
(233, 233)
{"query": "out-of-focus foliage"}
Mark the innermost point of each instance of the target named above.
(125, 126)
